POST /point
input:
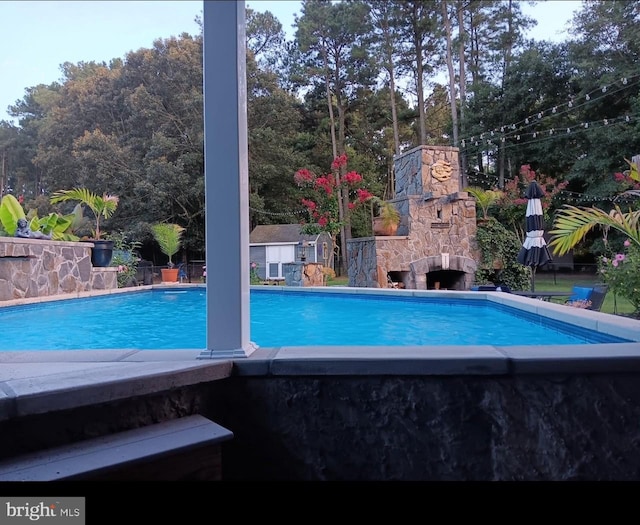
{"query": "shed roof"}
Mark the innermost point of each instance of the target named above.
(272, 233)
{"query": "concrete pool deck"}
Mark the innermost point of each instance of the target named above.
(39, 382)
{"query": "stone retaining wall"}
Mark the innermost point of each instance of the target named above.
(40, 268)
(522, 427)
(303, 274)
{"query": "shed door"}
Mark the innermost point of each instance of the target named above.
(276, 255)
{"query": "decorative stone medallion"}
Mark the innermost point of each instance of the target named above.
(441, 170)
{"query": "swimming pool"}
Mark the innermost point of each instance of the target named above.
(280, 318)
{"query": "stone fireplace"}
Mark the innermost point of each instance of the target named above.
(435, 245)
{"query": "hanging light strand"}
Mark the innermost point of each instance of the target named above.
(553, 133)
(572, 105)
(279, 214)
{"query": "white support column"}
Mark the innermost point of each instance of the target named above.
(226, 177)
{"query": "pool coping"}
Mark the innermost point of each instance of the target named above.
(38, 382)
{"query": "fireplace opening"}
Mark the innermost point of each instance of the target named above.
(398, 279)
(445, 280)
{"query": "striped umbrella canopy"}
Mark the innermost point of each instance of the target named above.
(534, 252)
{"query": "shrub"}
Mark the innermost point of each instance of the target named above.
(125, 258)
(498, 243)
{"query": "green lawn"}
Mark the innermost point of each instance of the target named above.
(561, 282)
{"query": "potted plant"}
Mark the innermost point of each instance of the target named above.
(102, 206)
(388, 218)
(169, 238)
(484, 199)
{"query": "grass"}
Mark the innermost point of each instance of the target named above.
(338, 281)
(564, 282)
(560, 282)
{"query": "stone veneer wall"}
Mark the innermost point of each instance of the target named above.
(515, 427)
(436, 219)
(39, 268)
(303, 274)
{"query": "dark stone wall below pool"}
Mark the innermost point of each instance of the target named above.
(380, 428)
(569, 427)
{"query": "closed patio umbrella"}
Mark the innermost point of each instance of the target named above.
(534, 252)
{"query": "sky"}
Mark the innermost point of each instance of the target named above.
(39, 36)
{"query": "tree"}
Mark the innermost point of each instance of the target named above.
(573, 223)
(333, 40)
(385, 26)
(421, 44)
(274, 122)
(322, 197)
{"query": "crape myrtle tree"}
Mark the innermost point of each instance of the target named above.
(333, 39)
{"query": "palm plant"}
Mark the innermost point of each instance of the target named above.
(169, 237)
(101, 205)
(572, 223)
(387, 212)
(484, 198)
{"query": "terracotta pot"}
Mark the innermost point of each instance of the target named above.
(380, 229)
(169, 275)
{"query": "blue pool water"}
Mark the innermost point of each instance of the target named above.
(175, 319)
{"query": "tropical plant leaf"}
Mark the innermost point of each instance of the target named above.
(572, 223)
(10, 211)
(169, 237)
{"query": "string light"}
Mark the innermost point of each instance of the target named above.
(605, 90)
(281, 214)
(490, 180)
(542, 135)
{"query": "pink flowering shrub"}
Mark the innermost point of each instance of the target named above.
(125, 258)
(254, 278)
(322, 194)
(621, 271)
(511, 207)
